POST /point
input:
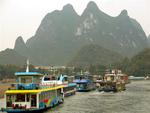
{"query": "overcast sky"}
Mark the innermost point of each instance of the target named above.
(22, 17)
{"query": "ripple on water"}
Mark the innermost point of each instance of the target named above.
(136, 99)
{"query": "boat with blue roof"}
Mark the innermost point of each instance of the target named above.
(29, 95)
(84, 82)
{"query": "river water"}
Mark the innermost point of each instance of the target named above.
(136, 99)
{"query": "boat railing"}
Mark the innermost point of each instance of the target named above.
(48, 85)
(32, 86)
(20, 105)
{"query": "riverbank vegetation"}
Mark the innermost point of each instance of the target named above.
(7, 71)
(139, 65)
(135, 66)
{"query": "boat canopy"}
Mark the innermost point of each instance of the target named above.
(33, 91)
(28, 74)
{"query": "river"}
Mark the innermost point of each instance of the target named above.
(136, 99)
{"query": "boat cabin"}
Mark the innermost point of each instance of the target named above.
(33, 99)
(110, 77)
(28, 80)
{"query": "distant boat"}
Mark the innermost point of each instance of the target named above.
(113, 82)
(136, 78)
(84, 82)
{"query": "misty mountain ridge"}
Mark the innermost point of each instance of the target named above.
(10, 56)
(62, 33)
(148, 40)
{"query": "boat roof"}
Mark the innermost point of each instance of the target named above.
(82, 81)
(72, 84)
(28, 74)
(32, 91)
(110, 74)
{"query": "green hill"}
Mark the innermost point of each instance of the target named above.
(95, 55)
(139, 65)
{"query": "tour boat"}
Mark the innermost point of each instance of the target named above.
(84, 82)
(66, 81)
(112, 82)
(28, 95)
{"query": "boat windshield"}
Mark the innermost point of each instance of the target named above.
(79, 77)
(17, 98)
(83, 77)
(81, 85)
(26, 80)
(47, 78)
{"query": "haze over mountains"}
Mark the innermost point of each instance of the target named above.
(149, 40)
(10, 56)
(64, 34)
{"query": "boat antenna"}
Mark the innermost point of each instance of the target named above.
(27, 69)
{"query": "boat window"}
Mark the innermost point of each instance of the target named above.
(58, 78)
(46, 79)
(49, 78)
(10, 99)
(77, 77)
(48, 94)
(90, 77)
(20, 98)
(36, 80)
(81, 78)
(53, 93)
(53, 78)
(112, 78)
(41, 96)
(59, 92)
(26, 79)
(28, 97)
(33, 100)
(82, 85)
(70, 79)
(65, 79)
(69, 88)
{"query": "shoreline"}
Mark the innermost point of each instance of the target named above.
(3, 88)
